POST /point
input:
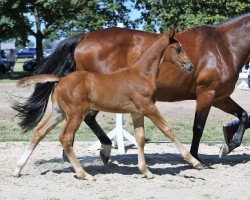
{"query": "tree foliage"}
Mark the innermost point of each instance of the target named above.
(162, 15)
(50, 18)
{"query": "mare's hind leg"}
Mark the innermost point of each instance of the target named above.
(138, 121)
(72, 124)
(154, 115)
(42, 129)
(106, 143)
(231, 107)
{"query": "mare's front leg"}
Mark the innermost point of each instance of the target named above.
(154, 115)
(138, 121)
(204, 102)
(66, 137)
(230, 106)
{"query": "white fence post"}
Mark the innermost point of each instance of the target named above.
(118, 134)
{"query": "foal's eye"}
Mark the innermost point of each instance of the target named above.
(178, 49)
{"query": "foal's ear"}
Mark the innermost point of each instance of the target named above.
(172, 33)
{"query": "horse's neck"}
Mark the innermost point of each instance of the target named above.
(149, 61)
(238, 37)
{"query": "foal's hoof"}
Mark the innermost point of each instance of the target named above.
(149, 175)
(89, 178)
(16, 172)
(198, 166)
(224, 151)
(105, 153)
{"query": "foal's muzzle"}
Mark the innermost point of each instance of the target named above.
(187, 66)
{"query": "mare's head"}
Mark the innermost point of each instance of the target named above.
(175, 54)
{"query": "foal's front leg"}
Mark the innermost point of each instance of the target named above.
(154, 115)
(138, 121)
(106, 144)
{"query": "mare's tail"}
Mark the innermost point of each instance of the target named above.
(59, 63)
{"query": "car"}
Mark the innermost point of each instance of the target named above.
(30, 65)
(27, 52)
(5, 65)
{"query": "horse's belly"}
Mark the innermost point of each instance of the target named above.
(115, 107)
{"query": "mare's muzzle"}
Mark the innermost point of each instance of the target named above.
(187, 66)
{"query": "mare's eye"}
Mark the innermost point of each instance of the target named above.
(178, 49)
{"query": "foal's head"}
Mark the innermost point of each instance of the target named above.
(175, 54)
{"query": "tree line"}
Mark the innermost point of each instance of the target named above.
(52, 19)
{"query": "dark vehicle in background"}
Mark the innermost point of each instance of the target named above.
(5, 65)
(27, 52)
(30, 65)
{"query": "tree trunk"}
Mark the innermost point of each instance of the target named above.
(39, 48)
(39, 38)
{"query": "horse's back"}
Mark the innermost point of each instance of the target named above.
(109, 49)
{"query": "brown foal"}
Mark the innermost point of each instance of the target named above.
(129, 90)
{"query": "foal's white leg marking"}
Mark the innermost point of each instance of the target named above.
(42, 129)
(22, 161)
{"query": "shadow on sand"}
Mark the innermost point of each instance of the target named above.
(127, 164)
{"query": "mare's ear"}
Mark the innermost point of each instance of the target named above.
(172, 33)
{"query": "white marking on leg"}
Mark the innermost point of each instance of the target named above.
(22, 161)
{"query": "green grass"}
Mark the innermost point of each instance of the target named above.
(10, 131)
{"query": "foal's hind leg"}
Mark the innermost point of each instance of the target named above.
(66, 137)
(42, 129)
(138, 121)
(154, 115)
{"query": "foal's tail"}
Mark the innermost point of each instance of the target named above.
(59, 63)
(42, 78)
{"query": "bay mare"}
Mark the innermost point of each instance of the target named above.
(218, 53)
(132, 90)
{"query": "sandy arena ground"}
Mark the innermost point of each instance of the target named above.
(46, 176)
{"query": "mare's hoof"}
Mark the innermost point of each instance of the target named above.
(224, 150)
(105, 153)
